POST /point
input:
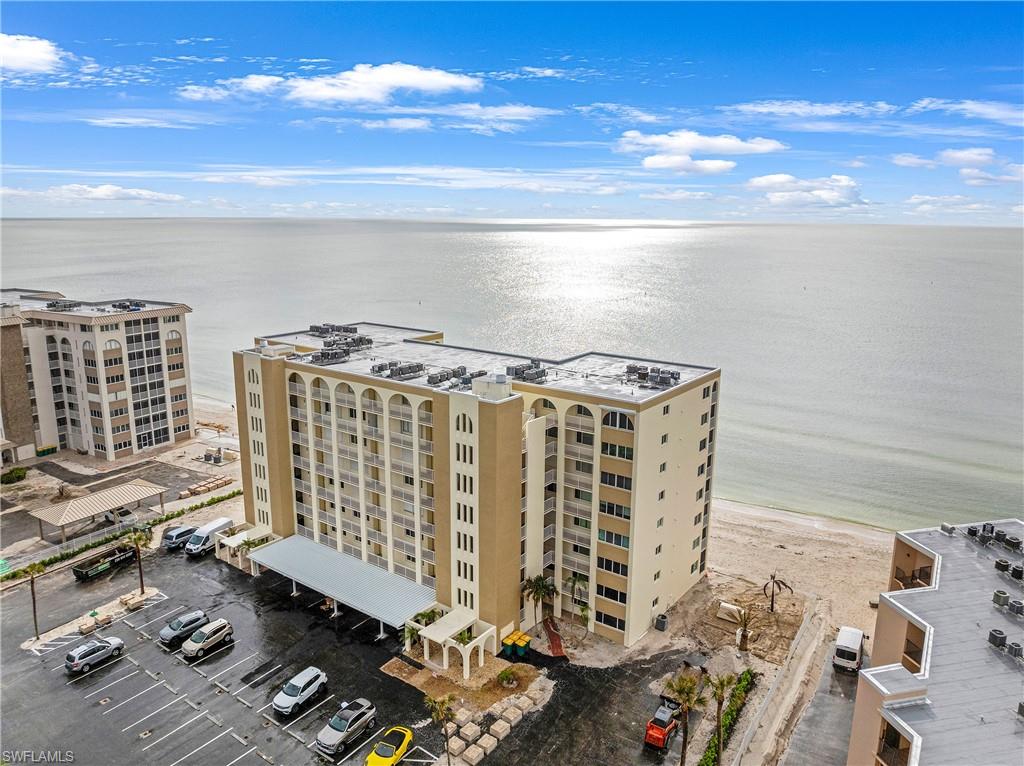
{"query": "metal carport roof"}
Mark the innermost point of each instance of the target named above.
(385, 596)
(87, 506)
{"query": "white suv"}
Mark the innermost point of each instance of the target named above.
(299, 689)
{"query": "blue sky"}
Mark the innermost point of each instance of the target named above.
(871, 112)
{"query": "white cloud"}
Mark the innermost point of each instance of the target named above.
(856, 162)
(265, 181)
(101, 193)
(912, 161)
(399, 124)
(674, 150)
(784, 108)
(27, 54)
(926, 204)
(677, 194)
(194, 40)
(250, 85)
(366, 83)
(1011, 173)
(972, 157)
(994, 111)
(785, 190)
(485, 120)
(611, 112)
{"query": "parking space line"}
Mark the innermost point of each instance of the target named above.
(233, 666)
(167, 614)
(176, 699)
(433, 758)
(361, 623)
(147, 606)
(201, 747)
(265, 707)
(240, 757)
(165, 736)
(361, 745)
(211, 654)
(119, 680)
(322, 702)
(260, 678)
(104, 665)
(125, 702)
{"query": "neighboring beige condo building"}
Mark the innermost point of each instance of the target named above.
(465, 472)
(108, 378)
(946, 684)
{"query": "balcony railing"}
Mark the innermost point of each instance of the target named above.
(403, 494)
(427, 555)
(574, 536)
(372, 405)
(426, 418)
(373, 458)
(300, 462)
(373, 433)
(579, 480)
(300, 438)
(549, 532)
(576, 508)
(427, 502)
(377, 536)
(348, 425)
(892, 756)
(401, 411)
(427, 446)
(577, 423)
(577, 563)
(427, 473)
(345, 400)
(402, 467)
(580, 451)
(376, 511)
(297, 413)
(549, 558)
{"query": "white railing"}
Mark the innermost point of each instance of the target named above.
(345, 400)
(348, 425)
(427, 446)
(549, 558)
(427, 473)
(550, 448)
(400, 439)
(577, 450)
(401, 411)
(575, 422)
(426, 418)
(372, 405)
(549, 532)
(297, 413)
(300, 462)
(580, 564)
(579, 480)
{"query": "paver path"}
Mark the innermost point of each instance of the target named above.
(554, 638)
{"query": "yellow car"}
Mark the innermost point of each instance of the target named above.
(391, 748)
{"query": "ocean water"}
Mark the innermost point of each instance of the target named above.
(871, 373)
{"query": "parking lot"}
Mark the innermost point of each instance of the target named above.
(153, 705)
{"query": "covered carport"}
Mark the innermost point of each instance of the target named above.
(386, 597)
(88, 507)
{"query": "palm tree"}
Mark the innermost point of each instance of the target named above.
(532, 587)
(33, 571)
(686, 691)
(574, 583)
(749, 619)
(777, 586)
(440, 709)
(585, 619)
(720, 686)
(139, 539)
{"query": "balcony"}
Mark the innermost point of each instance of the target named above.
(404, 520)
(549, 559)
(403, 494)
(550, 475)
(348, 425)
(580, 537)
(303, 486)
(322, 419)
(426, 418)
(428, 580)
(577, 563)
(580, 452)
(549, 532)
(372, 405)
(576, 508)
(348, 477)
(912, 654)
(427, 446)
(377, 536)
(323, 445)
(400, 411)
(427, 502)
(374, 486)
(325, 470)
(579, 480)
(376, 560)
(427, 473)
(427, 555)
(373, 433)
(344, 400)
(402, 467)
(300, 438)
(351, 526)
(376, 511)
(327, 517)
(550, 448)
(577, 423)
(373, 458)
(402, 440)
(297, 413)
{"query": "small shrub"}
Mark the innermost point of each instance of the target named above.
(507, 677)
(14, 475)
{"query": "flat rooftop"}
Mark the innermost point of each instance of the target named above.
(593, 373)
(50, 301)
(969, 714)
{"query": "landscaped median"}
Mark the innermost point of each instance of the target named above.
(18, 574)
(730, 716)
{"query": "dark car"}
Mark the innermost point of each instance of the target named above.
(176, 537)
(351, 720)
(184, 625)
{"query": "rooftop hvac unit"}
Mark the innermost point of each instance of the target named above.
(676, 375)
(459, 371)
(1016, 606)
(1000, 598)
(1002, 565)
(1013, 542)
(972, 531)
(535, 362)
(988, 528)
(349, 328)
(1000, 535)
(465, 380)
(433, 379)
(1014, 649)
(500, 377)
(631, 369)
(392, 364)
(984, 539)
(655, 371)
(997, 638)
(1017, 572)
(948, 529)
(478, 374)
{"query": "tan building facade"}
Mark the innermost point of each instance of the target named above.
(469, 471)
(108, 378)
(944, 686)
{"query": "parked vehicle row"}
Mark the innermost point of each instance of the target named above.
(197, 541)
(84, 658)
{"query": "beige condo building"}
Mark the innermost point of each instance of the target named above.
(467, 471)
(946, 682)
(106, 378)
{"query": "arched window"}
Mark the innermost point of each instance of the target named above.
(173, 335)
(620, 420)
(464, 423)
(112, 345)
(88, 346)
(580, 411)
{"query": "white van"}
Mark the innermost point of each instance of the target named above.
(849, 651)
(203, 540)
